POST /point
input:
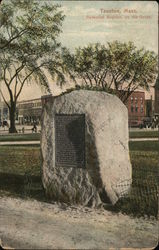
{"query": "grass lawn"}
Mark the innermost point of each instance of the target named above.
(152, 146)
(20, 137)
(142, 199)
(144, 134)
(20, 175)
(20, 171)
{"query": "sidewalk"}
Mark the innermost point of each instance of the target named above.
(2, 143)
(27, 129)
(38, 142)
(144, 139)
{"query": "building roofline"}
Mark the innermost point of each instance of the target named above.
(136, 91)
(30, 100)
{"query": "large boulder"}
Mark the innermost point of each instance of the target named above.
(107, 174)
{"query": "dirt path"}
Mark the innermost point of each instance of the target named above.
(36, 225)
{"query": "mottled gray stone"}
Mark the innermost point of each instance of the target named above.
(108, 172)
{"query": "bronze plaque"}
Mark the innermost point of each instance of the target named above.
(70, 140)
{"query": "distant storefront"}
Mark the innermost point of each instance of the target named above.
(4, 112)
(29, 112)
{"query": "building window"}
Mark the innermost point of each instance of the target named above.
(136, 108)
(141, 100)
(135, 99)
(131, 99)
(132, 109)
(142, 109)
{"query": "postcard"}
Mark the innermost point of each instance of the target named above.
(79, 124)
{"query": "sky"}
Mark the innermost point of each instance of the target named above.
(104, 21)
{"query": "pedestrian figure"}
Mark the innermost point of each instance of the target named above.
(34, 129)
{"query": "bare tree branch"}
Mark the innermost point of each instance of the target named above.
(4, 99)
(13, 38)
(17, 72)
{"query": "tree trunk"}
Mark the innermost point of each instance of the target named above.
(12, 113)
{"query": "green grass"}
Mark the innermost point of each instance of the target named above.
(142, 199)
(20, 159)
(144, 134)
(20, 172)
(20, 175)
(20, 137)
(144, 146)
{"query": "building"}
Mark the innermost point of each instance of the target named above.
(29, 111)
(136, 108)
(4, 112)
(149, 107)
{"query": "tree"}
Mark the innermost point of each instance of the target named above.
(89, 64)
(118, 67)
(131, 68)
(29, 48)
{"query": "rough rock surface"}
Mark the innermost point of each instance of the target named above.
(107, 175)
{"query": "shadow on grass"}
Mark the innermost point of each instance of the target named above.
(136, 207)
(142, 199)
(24, 186)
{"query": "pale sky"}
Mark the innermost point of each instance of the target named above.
(104, 21)
(81, 25)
